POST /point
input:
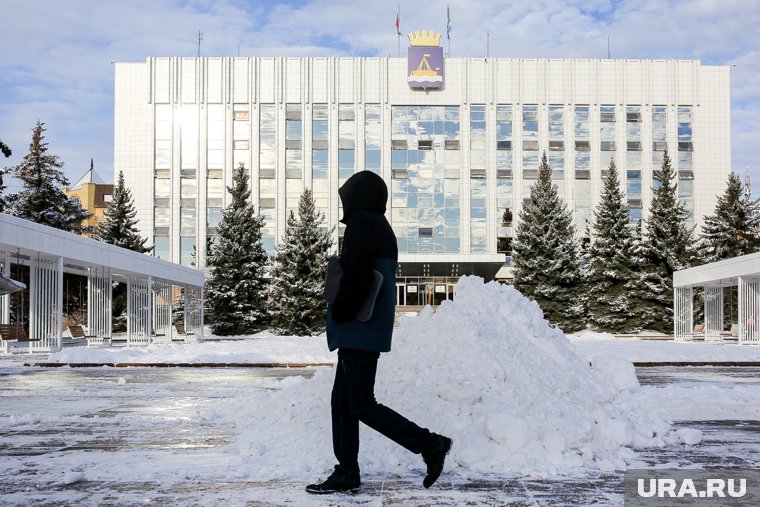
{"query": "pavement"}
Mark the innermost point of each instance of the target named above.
(89, 413)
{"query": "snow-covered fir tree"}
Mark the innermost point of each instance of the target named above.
(299, 266)
(5, 150)
(41, 200)
(732, 230)
(610, 255)
(545, 255)
(667, 247)
(642, 282)
(3, 172)
(236, 290)
(119, 225)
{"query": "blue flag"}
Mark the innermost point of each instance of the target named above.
(448, 23)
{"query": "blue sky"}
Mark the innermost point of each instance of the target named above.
(55, 64)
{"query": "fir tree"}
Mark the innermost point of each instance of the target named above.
(731, 231)
(236, 289)
(610, 256)
(545, 255)
(5, 149)
(643, 282)
(3, 172)
(297, 305)
(668, 246)
(119, 226)
(42, 199)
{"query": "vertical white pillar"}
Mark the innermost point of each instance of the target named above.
(59, 304)
(33, 291)
(5, 301)
(149, 302)
(742, 310)
(199, 331)
(130, 309)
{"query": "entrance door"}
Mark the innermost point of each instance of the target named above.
(400, 294)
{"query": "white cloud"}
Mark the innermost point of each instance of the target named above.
(56, 62)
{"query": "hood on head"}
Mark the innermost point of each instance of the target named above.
(364, 190)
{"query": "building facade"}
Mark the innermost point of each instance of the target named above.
(459, 156)
(93, 194)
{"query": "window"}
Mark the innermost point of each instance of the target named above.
(293, 146)
(162, 248)
(373, 133)
(346, 138)
(556, 127)
(426, 167)
(241, 135)
(582, 123)
(267, 167)
(530, 126)
(582, 146)
(607, 114)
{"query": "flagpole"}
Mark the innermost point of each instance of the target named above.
(398, 28)
(448, 28)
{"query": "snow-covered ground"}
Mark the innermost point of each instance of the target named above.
(517, 396)
(593, 345)
(252, 349)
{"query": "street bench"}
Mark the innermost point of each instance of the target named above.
(12, 336)
(77, 332)
(180, 327)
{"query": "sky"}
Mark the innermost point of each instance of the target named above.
(55, 63)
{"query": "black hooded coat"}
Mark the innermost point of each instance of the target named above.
(368, 243)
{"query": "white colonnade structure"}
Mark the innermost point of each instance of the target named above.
(742, 272)
(151, 284)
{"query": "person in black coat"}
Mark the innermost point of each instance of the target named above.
(368, 243)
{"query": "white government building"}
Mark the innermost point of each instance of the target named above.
(458, 142)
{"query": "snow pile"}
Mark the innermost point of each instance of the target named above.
(486, 370)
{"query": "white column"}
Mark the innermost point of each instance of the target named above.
(713, 313)
(33, 295)
(59, 305)
(130, 310)
(5, 301)
(149, 303)
(749, 310)
(683, 313)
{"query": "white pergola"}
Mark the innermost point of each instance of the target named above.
(742, 272)
(49, 252)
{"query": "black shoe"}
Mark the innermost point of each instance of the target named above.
(340, 481)
(434, 459)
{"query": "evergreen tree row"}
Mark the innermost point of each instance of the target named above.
(247, 290)
(624, 281)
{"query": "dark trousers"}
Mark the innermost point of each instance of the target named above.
(353, 400)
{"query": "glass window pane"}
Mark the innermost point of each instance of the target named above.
(162, 247)
(189, 188)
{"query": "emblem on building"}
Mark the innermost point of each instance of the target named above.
(425, 60)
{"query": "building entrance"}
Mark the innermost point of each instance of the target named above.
(424, 291)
